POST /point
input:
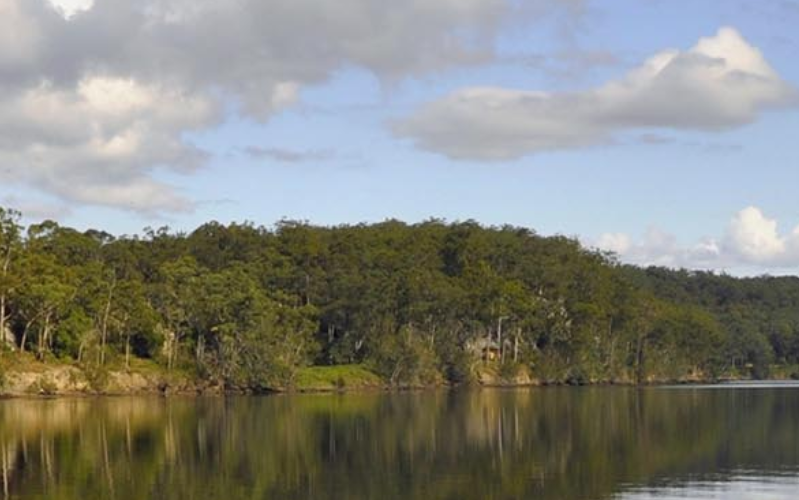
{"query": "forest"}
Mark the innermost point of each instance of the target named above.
(248, 307)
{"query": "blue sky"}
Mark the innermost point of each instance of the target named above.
(482, 109)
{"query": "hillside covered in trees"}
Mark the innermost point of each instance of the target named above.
(247, 307)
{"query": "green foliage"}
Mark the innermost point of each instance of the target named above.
(327, 378)
(250, 307)
(508, 370)
(97, 376)
(72, 332)
(405, 359)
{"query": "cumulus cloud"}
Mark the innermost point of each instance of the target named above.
(659, 248)
(751, 240)
(753, 236)
(721, 83)
(97, 95)
(98, 142)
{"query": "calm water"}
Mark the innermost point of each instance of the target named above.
(737, 442)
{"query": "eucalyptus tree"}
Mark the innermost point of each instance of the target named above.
(10, 246)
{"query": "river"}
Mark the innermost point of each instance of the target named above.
(739, 441)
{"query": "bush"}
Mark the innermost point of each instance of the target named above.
(405, 359)
(577, 376)
(44, 386)
(96, 376)
(508, 371)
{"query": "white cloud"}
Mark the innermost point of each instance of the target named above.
(69, 8)
(755, 237)
(98, 142)
(97, 95)
(720, 83)
(750, 241)
(618, 243)
(659, 248)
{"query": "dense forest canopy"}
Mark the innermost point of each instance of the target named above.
(248, 306)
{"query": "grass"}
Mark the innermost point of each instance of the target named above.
(340, 377)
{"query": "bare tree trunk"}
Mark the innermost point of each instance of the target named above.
(3, 315)
(199, 352)
(174, 345)
(499, 339)
(45, 333)
(25, 333)
(104, 324)
(170, 342)
(127, 352)
(3, 298)
(640, 374)
(612, 353)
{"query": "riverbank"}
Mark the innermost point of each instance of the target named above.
(30, 378)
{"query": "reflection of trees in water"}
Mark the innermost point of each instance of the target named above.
(558, 443)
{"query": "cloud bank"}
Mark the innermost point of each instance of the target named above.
(95, 96)
(721, 83)
(751, 240)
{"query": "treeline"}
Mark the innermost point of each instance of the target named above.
(248, 306)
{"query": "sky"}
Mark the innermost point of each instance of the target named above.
(662, 130)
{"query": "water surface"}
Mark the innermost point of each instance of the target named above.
(732, 442)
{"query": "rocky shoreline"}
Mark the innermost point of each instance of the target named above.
(46, 380)
(66, 380)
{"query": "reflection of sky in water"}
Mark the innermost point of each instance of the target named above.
(736, 488)
(744, 384)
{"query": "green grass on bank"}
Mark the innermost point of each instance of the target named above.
(332, 378)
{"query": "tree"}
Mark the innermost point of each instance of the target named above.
(46, 291)
(10, 244)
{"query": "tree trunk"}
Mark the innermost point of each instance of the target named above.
(45, 333)
(499, 339)
(612, 350)
(170, 350)
(173, 351)
(104, 324)
(3, 298)
(640, 370)
(25, 333)
(127, 352)
(199, 352)
(3, 315)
